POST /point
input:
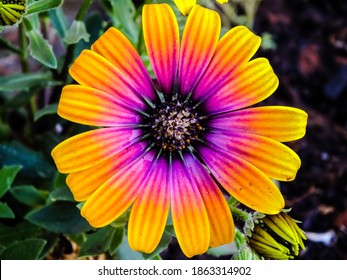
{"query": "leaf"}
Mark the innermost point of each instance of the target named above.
(62, 194)
(76, 32)
(43, 5)
(59, 217)
(5, 211)
(116, 240)
(21, 231)
(123, 17)
(59, 21)
(41, 49)
(47, 110)
(33, 164)
(28, 195)
(98, 242)
(7, 175)
(24, 81)
(29, 249)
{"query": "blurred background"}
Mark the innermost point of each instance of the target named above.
(306, 43)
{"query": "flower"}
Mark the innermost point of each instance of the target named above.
(185, 6)
(169, 146)
(277, 237)
(11, 11)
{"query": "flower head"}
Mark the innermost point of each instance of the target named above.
(277, 237)
(11, 11)
(168, 146)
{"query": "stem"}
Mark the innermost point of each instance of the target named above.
(23, 48)
(244, 216)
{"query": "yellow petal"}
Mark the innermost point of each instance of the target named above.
(114, 197)
(185, 5)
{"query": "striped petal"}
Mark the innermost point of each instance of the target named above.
(273, 158)
(91, 148)
(90, 106)
(234, 50)
(251, 84)
(83, 183)
(243, 181)
(219, 215)
(117, 49)
(276, 122)
(114, 197)
(161, 35)
(199, 41)
(189, 215)
(92, 70)
(185, 6)
(150, 211)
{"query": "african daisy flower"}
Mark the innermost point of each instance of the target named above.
(169, 146)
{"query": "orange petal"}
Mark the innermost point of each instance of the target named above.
(276, 122)
(199, 41)
(273, 158)
(189, 215)
(161, 35)
(251, 84)
(90, 106)
(92, 70)
(219, 215)
(114, 197)
(150, 211)
(83, 183)
(244, 181)
(90, 148)
(233, 51)
(117, 49)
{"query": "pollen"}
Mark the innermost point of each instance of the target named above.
(174, 125)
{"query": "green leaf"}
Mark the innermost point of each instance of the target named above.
(21, 231)
(7, 175)
(41, 49)
(24, 81)
(59, 21)
(29, 249)
(98, 242)
(5, 211)
(116, 240)
(47, 110)
(33, 164)
(28, 195)
(163, 244)
(123, 17)
(43, 5)
(62, 194)
(76, 32)
(59, 217)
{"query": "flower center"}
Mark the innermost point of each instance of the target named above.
(174, 125)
